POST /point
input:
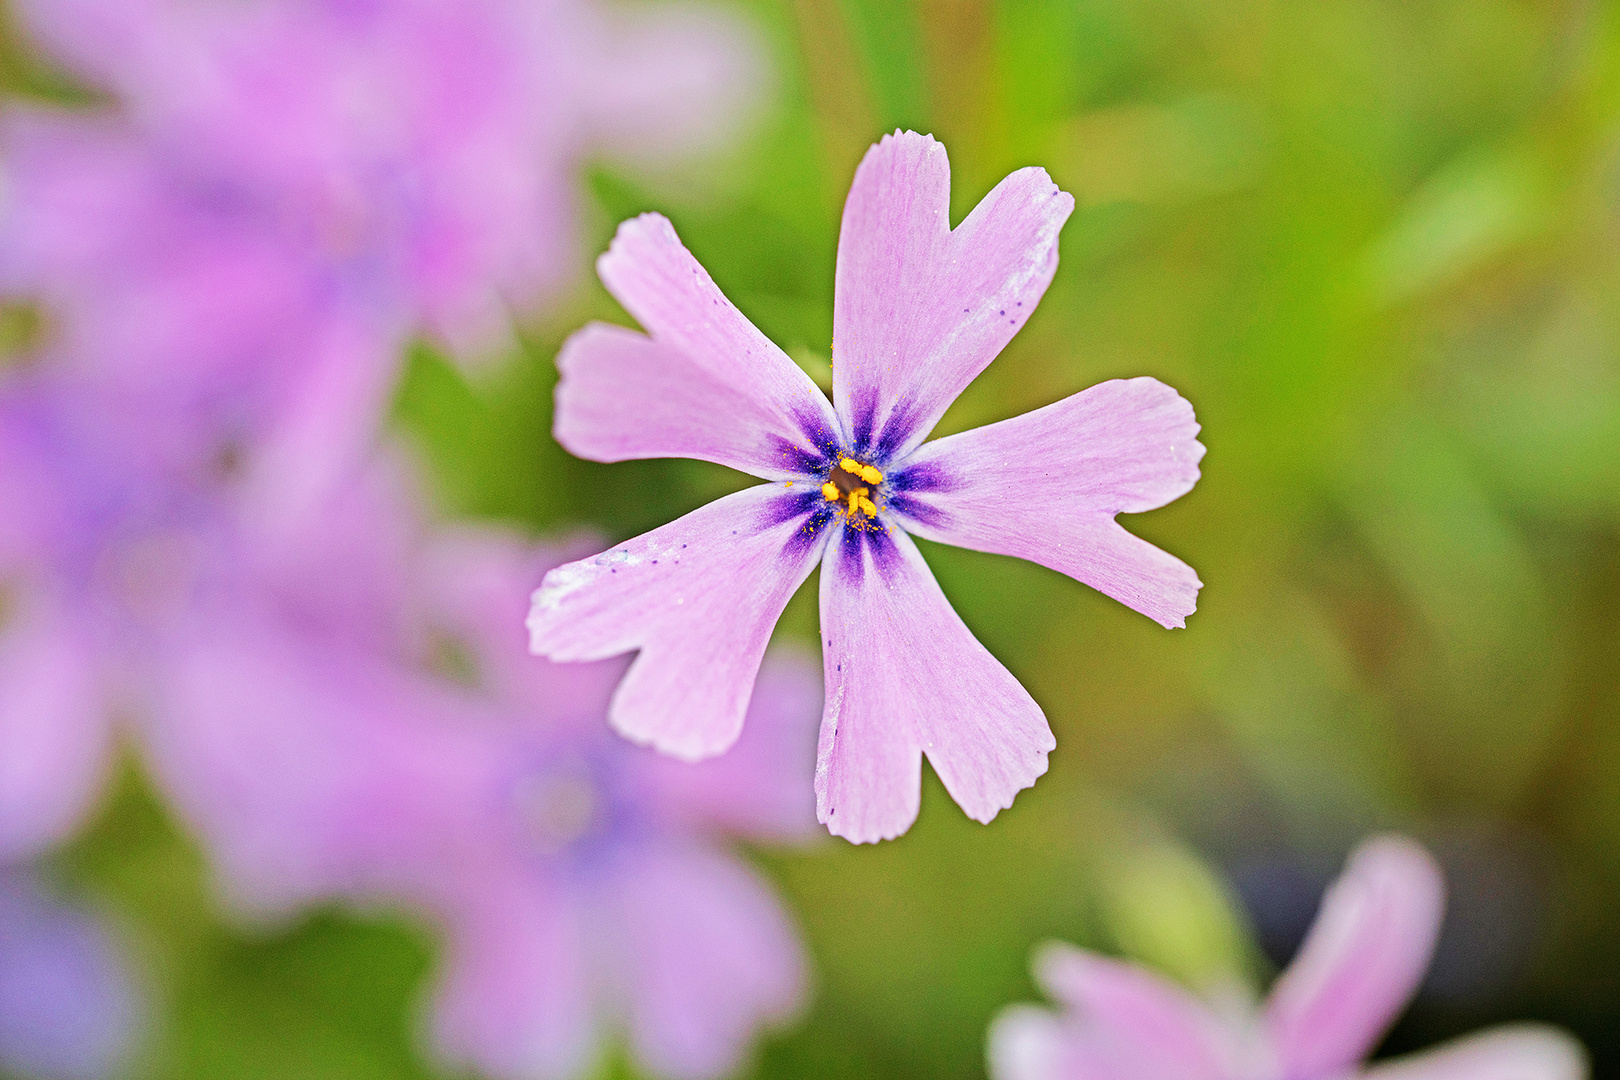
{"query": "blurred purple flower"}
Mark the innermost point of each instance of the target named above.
(68, 1009)
(288, 189)
(579, 879)
(920, 310)
(119, 576)
(1361, 963)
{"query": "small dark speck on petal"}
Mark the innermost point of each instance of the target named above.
(1020, 303)
(840, 667)
(1001, 313)
(655, 562)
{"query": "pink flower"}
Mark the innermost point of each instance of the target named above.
(581, 883)
(920, 310)
(287, 190)
(416, 153)
(119, 577)
(1361, 963)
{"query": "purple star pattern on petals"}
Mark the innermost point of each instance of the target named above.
(1360, 964)
(920, 310)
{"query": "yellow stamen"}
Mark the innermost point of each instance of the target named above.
(841, 487)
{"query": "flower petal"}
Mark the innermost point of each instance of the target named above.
(761, 787)
(706, 384)
(1509, 1052)
(515, 1000)
(903, 676)
(328, 423)
(699, 598)
(624, 395)
(1045, 486)
(474, 582)
(920, 309)
(1026, 1043)
(1364, 957)
(54, 733)
(1134, 1016)
(307, 768)
(711, 956)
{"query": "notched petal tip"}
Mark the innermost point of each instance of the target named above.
(905, 677)
(898, 144)
(1121, 447)
(1178, 620)
(648, 224)
(906, 135)
(841, 828)
(1039, 763)
(650, 227)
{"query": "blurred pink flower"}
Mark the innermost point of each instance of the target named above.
(285, 190)
(580, 881)
(1361, 963)
(117, 573)
(920, 310)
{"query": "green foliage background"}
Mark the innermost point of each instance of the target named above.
(1375, 243)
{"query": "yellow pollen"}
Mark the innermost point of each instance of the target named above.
(843, 487)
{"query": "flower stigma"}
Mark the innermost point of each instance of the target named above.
(850, 482)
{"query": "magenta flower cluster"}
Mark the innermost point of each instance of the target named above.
(210, 552)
